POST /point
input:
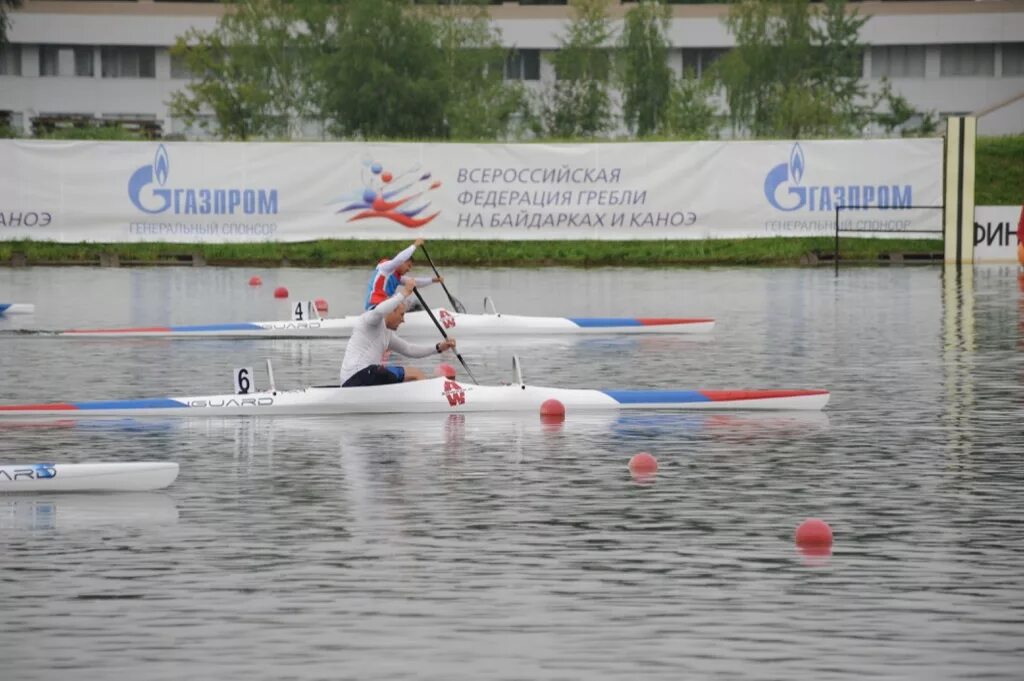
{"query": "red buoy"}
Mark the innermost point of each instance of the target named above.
(643, 463)
(321, 305)
(280, 292)
(813, 532)
(255, 281)
(446, 370)
(552, 411)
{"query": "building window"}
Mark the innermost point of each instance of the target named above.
(179, 67)
(10, 60)
(1013, 59)
(49, 60)
(522, 65)
(897, 61)
(128, 62)
(84, 62)
(697, 61)
(968, 59)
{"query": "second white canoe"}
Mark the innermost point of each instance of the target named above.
(87, 477)
(417, 325)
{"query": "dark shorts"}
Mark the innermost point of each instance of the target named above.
(375, 374)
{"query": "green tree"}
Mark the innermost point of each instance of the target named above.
(796, 70)
(578, 103)
(255, 72)
(479, 102)
(387, 76)
(646, 79)
(5, 22)
(690, 113)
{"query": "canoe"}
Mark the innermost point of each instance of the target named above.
(87, 477)
(17, 308)
(418, 325)
(436, 395)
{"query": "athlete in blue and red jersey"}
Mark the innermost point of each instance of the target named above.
(389, 274)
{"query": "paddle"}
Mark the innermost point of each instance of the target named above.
(441, 329)
(456, 303)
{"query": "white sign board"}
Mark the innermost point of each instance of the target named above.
(997, 237)
(256, 192)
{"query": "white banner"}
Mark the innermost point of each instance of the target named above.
(251, 192)
(997, 237)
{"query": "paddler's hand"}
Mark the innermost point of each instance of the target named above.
(418, 243)
(439, 279)
(410, 285)
(446, 344)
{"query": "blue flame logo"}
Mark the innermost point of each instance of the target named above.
(161, 165)
(789, 174)
(144, 176)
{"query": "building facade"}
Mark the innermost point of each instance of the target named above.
(71, 60)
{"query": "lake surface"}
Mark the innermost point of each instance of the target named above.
(474, 546)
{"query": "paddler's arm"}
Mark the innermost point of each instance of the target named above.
(404, 347)
(389, 266)
(422, 281)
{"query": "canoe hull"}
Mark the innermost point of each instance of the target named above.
(87, 477)
(17, 308)
(419, 324)
(436, 395)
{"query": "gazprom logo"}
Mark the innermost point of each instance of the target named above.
(150, 193)
(785, 190)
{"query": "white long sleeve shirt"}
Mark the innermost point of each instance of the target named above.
(371, 338)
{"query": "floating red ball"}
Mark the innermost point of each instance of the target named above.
(255, 281)
(321, 305)
(643, 464)
(813, 532)
(446, 370)
(552, 409)
(280, 292)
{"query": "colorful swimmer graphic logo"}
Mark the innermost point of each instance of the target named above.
(400, 198)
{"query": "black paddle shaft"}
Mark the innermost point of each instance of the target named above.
(459, 307)
(441, 329)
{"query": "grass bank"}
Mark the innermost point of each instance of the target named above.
(335, 253)
(999, 178)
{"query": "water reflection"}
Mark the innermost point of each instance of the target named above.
(86, 511)
(958, 355)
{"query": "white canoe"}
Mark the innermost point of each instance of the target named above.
(436, 395)
(87, 477)
(17, 308)
(418, 324)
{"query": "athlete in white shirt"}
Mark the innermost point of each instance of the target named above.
(374, 334)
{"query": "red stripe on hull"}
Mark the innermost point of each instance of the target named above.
(60, 406)
(142, 329)
(736, 395)
(664, 321)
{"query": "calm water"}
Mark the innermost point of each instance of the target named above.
(493, 547)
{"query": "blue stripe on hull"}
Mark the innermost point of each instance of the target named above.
(603, 322)
(4, 306)
(656, 396)
(156, 403)
(241, 326)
